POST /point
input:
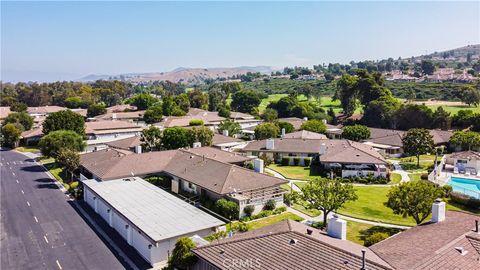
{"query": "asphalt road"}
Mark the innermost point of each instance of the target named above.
(40, 228)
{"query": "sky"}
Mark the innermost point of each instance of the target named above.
(44, 41)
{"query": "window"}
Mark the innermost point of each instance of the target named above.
(462, 161)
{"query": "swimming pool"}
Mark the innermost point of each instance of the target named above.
(466, 186)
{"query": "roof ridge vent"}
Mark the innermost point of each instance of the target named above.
(462, 250)
(293, 241)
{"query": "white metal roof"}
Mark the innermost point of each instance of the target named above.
(159, 214)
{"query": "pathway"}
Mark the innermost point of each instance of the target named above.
(400, 170)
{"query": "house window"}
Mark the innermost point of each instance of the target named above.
(462, 161)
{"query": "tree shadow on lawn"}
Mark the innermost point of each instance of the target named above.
(378, 229)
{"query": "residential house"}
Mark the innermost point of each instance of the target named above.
(148, 218)
(130, 144)
(304, 134)
(465, 161)
(32, 136)
(288, 245)
(451, 240)
(348, 157)
(227, 143)
(101, 132)
(295, 121)
(4, 112)
(210, 177)
(133, 117)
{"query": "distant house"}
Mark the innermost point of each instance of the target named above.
(134, 116)
(208, 175)
(130, 144)
(295, 121)
(32, 136)
(148, 218)
(288, 245)
(351, 158)
(4, 112)
(450, 240)
(227, 143)
(101, 132)
(389, 141)
(44, 110)
(304, 134)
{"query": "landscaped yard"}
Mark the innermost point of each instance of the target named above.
(395, 178)
(296, 172)
(30, 149)
(409, 164)
(369, 206)
(357, 232)
(57, 172)
(259, 223)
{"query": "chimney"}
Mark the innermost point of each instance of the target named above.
(270, 144)
(438, 211)
(197, 145)
(476, 226)
(225, 132)
(138, 149)
(337, 228)
(114, 116)
(283, 132)
(258, 165)
(323, 148)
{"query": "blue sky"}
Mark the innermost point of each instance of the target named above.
(68, 40)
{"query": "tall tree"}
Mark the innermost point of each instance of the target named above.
(152, 139)
(21, 118)
(356, 133)
(441, 119)
(198, 99)
(270, 115)
(51, 143)
(202, 134)
(176, 137)
(427, 67)
(64, 120)
(245, 101)
(414, 199)
(466, 140)
(314, 125)
(418, 141)
(327, 195)
(216, 99)
(10, 135)
(183, 102)
(470, 96)
(266, 131)
(68, 159)
(232, 127)
(153, 114)
(142, 101)
(96, 109)
(182, 255)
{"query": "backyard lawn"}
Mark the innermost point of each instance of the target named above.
(369, 206)
(259, 223)
(409, 164)
(357, 232)
(296, 172)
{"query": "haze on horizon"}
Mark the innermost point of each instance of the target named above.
(46, 41)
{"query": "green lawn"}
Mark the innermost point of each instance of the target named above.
(30, 149)
(415, 176)
(395, 178)
(59, 173)
(409, 164)
(257, 224)
(369, 206)
(271, 98)
(357, 232)
(454, 109)
(296, 172)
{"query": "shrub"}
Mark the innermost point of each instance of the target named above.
(465, 200)
(424, 176)
(375, 238)
(447, 189)
(227, 208)
(248, 210)
(318, 225)
(66, 186)
(196, 122)
(262, 214)
(285, 161)
(266, 160)
(369, 179)
(215, 236)
(248, 165)
(245, 219)
(243, 227)
(74, 185)
(270, 205)
(280, 210)
(307, 162)
(296, 161)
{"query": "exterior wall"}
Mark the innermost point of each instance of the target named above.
(472, 163)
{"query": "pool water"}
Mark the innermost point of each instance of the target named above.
(466, 186)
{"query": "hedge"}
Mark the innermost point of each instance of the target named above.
(307, 162)
(269, 205)
(466, 200)
(285, 161)
(370, 179)
(196, 122)
(375, 238)
(296, 161)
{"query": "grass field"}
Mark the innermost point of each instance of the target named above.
(296, 172)
(357, 232)
(369, 206)
(454, 109)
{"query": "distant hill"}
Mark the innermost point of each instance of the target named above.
(457, 55)
(182, 74)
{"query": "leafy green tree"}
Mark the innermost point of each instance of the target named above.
(269, 115)
(153, 114)
(224, 111)
(347, 93)
(216, 99)
(413, 199)
(331, 114)
(198, 99)
(441, 119)
(414, 116)
(466, 140)
(418, 141)
(232, 127)
(231, 87)
(182, 255)
(176, 137)
(22, 118)
(289, 128)
(18, 107)
(196, 122)
(75, 102)
(183, 102)
(266, 131)
(51, 143)
(226, 208)
(64, 120)
(68, 159)
(327, 195)
(96, 109)
(152, 139)
(170, 108)
(245, 101)
(314, 125)
(381, 112)
(10, 135)
(356, 133)
(470, 95)
(142, 101)
(202, 134)
(427, 67)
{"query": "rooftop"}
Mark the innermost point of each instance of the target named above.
(157, 213)
(465, 155)
(219, 139)
(217, 154)
(125, 144)
(286, 245)
(305, 134)
(432, 245)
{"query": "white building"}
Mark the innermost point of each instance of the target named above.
(147, 217)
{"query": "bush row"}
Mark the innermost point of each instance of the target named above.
(465, 200)
(370, 179)
(296, 161)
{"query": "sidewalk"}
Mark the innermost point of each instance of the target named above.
(400, 170)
